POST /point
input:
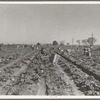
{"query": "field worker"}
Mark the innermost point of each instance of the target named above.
(68, 51)
(17, 46)
(86, 51)
(65, 52)
(32, 47)
(42, 50)
(89, 52)
(59, 49)
(52, 57)
(62, 51)
(37, 48)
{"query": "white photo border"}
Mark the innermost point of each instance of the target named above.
(49, 97)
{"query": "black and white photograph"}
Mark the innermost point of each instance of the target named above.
(50, 49)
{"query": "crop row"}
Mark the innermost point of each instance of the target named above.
(86, 83)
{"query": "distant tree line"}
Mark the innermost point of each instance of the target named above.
(90, 41)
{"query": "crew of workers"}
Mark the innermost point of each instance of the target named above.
(54, 56)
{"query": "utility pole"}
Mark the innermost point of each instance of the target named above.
(92, 38)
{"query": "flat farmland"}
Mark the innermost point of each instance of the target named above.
(33, 73)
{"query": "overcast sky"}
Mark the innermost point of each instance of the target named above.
(45, 23)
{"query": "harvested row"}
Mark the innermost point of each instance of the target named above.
(7, 71)
(16, 60)
(8, 59)
(86, 62)
(58, 83)
(12, 77)
(86, 83)
(30, 81)
(85, 68)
